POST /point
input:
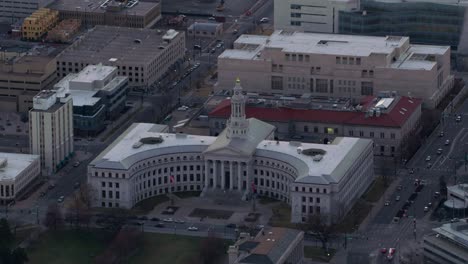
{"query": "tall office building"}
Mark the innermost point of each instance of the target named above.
(51, 130)
(12, 11)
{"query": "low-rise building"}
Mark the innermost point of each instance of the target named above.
(122, 13)
(244, 159)
(64, 31)
(39, 23)
(25, 70)
(14, 11)
(98, 94)
(16, 172)
(388, 121)
(205, 30)
(449, 244)
(274, 245)
(51, 130)
(457, 197)
(143, 55)
(332, 65)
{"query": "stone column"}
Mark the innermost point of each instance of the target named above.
(231, 176)
(239, 176)
(215, 173)
(223, 179)
(207, 174)
(248, 185)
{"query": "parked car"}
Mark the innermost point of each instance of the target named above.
(458, 118)
(428, 158)
(177, 221)
(439, 151)
(61, 199)
(387, 203)
(264, 20)
(441, 134)
(436, 194)
(155, 219)
(383, 251)
(76, 164)
(426, 209)
(231, 225)
(192, 228)
(168, 220)
(397, 198)
(411, 171)
(447, 142)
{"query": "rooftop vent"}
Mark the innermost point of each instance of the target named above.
(317, 158)
(313, 152)
(152, 140)
(3, 162)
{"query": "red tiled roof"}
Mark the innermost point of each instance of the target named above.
(394, 118)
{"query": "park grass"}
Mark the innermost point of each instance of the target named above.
(376, 190)
(188, 194)
(318, 253)
(169, 249)
(355, 216)
(211, 213)
(68, 246)
(145, 206)
(281, 216)
(23, 232)
(266, 200)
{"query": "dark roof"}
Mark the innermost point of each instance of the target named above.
(248, 245)
(257, 259)
(395, 117)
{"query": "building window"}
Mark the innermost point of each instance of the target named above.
(393, 148)
(361, 133)
(338, 60)
(317, 199)
(295, 7)
(367, 88)
(306, 129)
(382, 134)
(392, 135)
(382, 148)
(277, 82)
(322, 85)
(358, 61)
(371, 134)
(351, 133)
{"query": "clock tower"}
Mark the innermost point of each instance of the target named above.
(237, 125)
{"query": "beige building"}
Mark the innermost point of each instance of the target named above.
(39, 23)
(389, 122)
(126, 13)
(274, 245)
(311, 15)
(51, 130)
(64, 31)
(16, 172)
(24, 71)
(330, 65)
(143, 55)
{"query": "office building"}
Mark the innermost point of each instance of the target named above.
(14, 11)
(25, 70)
(320, 16)
(98, 94)
(332, 65)
(143, 55)
(388, 121)
(448, 245)
(16, 172)
(273, 245)
(313, 178)
(205, 30)
(121, 13)
(51, 130)
(39, 23)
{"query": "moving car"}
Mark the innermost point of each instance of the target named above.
(458, 118)
(192, 228)
(441, 134)
(387, 203)
(264, 20)
(397, 198)
(76, 164)
(447, 142)
(391, 253)
(426, 209)
(428, 158)
(168, 220)
(60, 199)
(439, 151)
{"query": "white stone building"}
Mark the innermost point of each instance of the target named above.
(312, 178)
(16, 172)
(332, 65)
(448, 244)
(319, 16)
(51, 130)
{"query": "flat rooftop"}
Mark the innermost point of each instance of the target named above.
(16, 163)
(140, 9)
(93, 73)
(457, 232)
(250, 47)
(335, 160)
(121, 45)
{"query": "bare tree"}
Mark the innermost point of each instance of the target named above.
(124, 244)
(54, 218)
(211, 249)
(320, 228)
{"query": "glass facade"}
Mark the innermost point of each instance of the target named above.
(424, 23)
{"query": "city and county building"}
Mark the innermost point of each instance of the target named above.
(25, 70)
(449, 244)
(313, 178)
(319, 16)
(274, 245)
(16, 172)
(388, 121)
(98, 94)
(127, 13)
(51, 130)
(39, 23)
(13, 11)
(143, 55)
(332, 65)
(205, 30)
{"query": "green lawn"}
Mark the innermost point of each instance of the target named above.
(354, 217)
(318, 253)
(188, 194)
(68, 246)
(266, 200)
(376, 190)
(281, 216)
(168, 249)
(147, 205)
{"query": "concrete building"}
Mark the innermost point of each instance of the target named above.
(39, 23)
(13, 11)
(25, 70)
(143, 55)
(274, 245)
(51, 130)
(388, 121)
(457, 197)
(65, 31)
(448, 245)
(125, 13)
(331, 65)
(98, 94)
(319, 16)
(243, 159)
(205, 30)
(16, 172)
